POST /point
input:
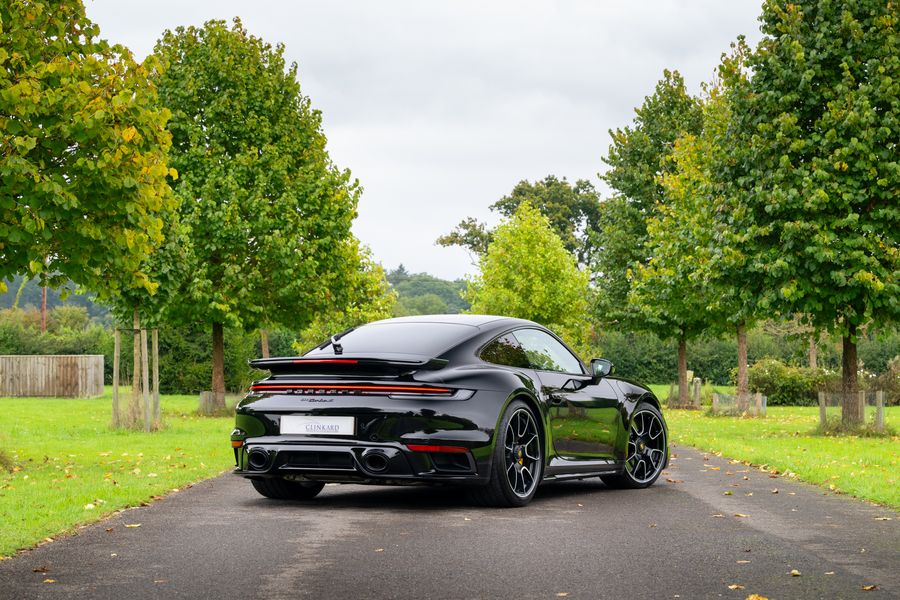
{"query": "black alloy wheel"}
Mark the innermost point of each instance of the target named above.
(646, 453)
(518, 460)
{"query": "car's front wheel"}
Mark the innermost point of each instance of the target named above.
(518, 461)
(282, 489)
(646, 454)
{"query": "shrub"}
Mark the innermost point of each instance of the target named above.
(784, 384)
(889, 382)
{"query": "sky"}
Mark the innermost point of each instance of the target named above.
(440, 108)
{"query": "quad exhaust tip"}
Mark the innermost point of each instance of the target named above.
(258, 459)
(375, 462)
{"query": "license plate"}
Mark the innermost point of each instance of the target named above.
(304, 425)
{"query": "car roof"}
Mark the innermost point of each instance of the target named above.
(478, 321)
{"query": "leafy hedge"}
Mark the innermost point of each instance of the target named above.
(784, 384)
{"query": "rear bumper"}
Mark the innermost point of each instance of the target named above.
(354, 462)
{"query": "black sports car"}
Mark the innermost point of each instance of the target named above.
(494, 403)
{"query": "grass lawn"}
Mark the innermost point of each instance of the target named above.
(71, 468)
(867, 468)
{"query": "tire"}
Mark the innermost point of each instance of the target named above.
(518, 460)
(646, 450)
(282, 489)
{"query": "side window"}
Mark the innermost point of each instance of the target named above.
(545, 353)
(505, 350)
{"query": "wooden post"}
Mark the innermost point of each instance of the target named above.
(145, 380)
(156, 409)
(134, 407)
(715, 405)
(861, 404)
(695, 392)
(879, 410)
(116, 419)
(823, 421)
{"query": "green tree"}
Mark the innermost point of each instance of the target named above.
(269, 214)
(669, 292)
(421, 293)
(571, 209)
(638, 156)
(528, 273)
(83, 190)
(821, 170)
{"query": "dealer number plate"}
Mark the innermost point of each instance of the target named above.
(305, 425)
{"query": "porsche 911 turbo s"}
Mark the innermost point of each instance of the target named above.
(493, 403)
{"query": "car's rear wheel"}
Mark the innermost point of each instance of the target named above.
(518, 460)
(282, 489)
(646, 454)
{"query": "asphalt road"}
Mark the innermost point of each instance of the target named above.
(682, 538)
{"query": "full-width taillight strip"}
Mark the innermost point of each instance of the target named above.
(439, 449)
(408, 389)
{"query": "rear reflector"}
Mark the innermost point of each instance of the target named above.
(325, 389)
(445, 449)
(237, 443)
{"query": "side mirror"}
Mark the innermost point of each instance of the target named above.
(601, 367)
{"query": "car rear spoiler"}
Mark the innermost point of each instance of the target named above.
(347, 365)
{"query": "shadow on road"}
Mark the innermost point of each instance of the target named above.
(418, 498)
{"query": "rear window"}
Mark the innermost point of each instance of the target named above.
(426, 339)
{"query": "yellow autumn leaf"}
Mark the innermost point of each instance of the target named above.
(129, 133)
(735, 586)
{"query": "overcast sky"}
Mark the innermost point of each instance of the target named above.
(439, 108)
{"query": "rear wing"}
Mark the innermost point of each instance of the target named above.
(363, 366)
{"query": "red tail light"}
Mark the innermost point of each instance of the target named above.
(447, 449)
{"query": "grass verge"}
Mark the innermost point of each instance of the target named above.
(69, 467)
(787, 440)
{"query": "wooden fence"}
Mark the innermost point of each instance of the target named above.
(69, 375)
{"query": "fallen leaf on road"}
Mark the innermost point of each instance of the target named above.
(792, 493)
(883, 519)
(735, 586)
(41, 569)
(581, 505)
(109, 529)
(562, 594)
(728, 493)
(719, 516)
(741, 515)
(869, 588)
(829, 572)
(674, 480)
(652, 525)
(160, 581)
(795, 573)
(775, 491)
(132, 525)
(49, 581)
(742, 562)
(466, 519)
(749, 494)
(756, 597)
(379, 549)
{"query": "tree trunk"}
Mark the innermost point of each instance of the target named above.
(134, 407)
(43, 309)
(117, 350)
(682, 372)
(813, 353)
(217, 399)
(851, 407)
(264, 342)
(742, 388)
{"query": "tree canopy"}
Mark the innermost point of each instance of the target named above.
(268, 213)
(638, 157)
(572, 210)
(528, 273)
(83, 174)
